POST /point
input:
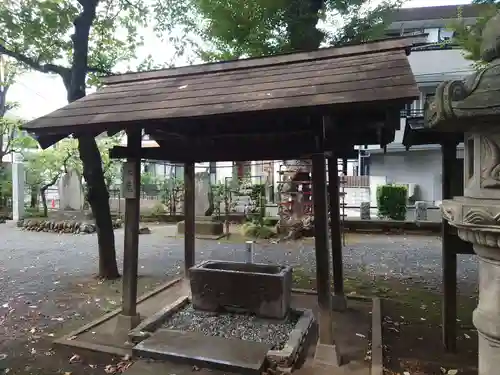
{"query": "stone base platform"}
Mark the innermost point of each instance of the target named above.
(100, 335)
(203, 227)
(193, 348)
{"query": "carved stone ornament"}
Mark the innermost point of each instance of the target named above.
(490, 161)
(470, 213)
(456, 103)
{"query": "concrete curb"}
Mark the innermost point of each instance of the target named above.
(286, 357)
(314, 293)
(68, 339)
(377, 367)
(149, 325)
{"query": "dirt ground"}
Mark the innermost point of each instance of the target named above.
(412, 325)
(412, 336)
(28, 333)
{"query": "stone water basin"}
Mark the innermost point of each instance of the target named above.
(260, 289)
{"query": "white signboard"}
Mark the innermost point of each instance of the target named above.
(128, 184)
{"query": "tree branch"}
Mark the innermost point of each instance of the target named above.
(34, 64)
(46, 68)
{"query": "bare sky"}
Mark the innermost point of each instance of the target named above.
(39, 94)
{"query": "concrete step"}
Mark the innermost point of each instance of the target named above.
(193, 348)
(151, 367)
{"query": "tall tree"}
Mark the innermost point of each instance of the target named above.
(35, 33)
(234, 29)
(469, 37)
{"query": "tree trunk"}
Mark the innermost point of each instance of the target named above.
(34, 198)
(44, 201)
(302, 17)
(2, 177)
(98, 198)
(97, 193)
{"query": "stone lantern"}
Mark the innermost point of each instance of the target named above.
(472, 106)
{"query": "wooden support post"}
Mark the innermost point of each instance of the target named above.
(129, 318)
(323, 280)
(327, 352)
(344, 166)
(339, 302)
(449, 256)
(189, 228)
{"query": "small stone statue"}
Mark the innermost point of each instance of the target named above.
(364, 211)
(420, 211)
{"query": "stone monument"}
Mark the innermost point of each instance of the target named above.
(70, 191)
(473, 107)
(364, 210)
(202, 195)
(205, 224)
(420, 211)
(17, 187)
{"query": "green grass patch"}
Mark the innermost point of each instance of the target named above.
(417, 301)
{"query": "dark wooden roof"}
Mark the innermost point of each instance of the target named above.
(347, 76)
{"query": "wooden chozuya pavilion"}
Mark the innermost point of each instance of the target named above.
(315, 105)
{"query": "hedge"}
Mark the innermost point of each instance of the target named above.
(391, 201)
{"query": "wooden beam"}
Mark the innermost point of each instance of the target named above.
(189, 223)
(449, 313)
(131, 240)
(323, 279)
(339, 301)
(230, 150)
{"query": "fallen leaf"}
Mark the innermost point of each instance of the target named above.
(74, 359)
(406, 373)
(67, 373)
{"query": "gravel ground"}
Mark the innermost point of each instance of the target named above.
(34, 263)
(241, 326)
(35, 266)
(40, 274)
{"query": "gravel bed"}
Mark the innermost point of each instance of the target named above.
(242, 326)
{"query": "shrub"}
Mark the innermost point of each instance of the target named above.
(270, 221)
(158, 209)
(254, 230)
(391, 201)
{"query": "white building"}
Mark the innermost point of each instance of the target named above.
(432, 64)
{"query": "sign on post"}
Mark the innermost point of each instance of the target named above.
(128, 180)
